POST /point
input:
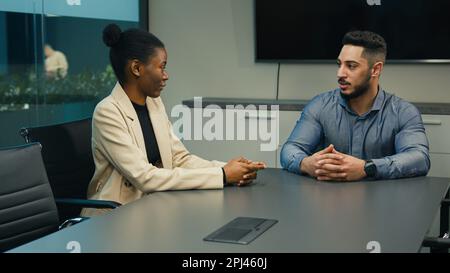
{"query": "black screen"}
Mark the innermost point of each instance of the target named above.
(312, 30)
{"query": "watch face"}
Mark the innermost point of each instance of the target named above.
(370, 169)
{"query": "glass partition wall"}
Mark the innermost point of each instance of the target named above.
(54, 66)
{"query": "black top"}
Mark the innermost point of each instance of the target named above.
(151, 145)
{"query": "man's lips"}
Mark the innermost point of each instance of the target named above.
(343, 85)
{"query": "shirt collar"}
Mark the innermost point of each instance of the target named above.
(379, 100)
(377, 104)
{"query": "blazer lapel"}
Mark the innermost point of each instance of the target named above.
(160, 127)
(125, 104)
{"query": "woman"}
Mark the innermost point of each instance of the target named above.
(134, 148)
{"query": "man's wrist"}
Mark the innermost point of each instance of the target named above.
(303, 167)
(370, 169)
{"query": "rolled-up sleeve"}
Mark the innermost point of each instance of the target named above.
(411, 145)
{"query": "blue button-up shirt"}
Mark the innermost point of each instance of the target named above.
(391, 134)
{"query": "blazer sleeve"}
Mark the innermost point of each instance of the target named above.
(111, 136)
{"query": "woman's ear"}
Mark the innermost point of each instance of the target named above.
(135, 68)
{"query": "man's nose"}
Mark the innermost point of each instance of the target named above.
(341, 73)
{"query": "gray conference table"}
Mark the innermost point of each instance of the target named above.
(313, 217)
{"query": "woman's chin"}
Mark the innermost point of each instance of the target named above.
(155, 94)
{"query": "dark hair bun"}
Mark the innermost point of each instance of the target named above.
(111, 35)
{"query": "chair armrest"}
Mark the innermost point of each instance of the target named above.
(88, 203)
(436, 242)
(72, 221)
(445, 202)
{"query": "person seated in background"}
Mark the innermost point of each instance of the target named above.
(358, 130)
(134, 147)
(56, 65)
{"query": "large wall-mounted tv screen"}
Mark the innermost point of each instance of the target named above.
(312, 30)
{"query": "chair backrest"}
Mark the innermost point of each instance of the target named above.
(27, 207)
(66, 150)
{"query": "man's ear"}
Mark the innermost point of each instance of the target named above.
(377, 68)
(135, 68)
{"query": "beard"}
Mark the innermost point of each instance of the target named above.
(360, 90)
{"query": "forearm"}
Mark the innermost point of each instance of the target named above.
(304, 138)
(414, 162)
(179, 179)
(291, 157)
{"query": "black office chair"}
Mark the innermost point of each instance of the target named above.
(441, 244)
(66, 150)
(27, 208)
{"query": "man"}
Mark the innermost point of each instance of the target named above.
(56, 65)
(358, 130)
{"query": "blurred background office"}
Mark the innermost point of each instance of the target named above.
(53, 65)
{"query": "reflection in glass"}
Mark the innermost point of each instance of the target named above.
(56, 65)
(53, 65)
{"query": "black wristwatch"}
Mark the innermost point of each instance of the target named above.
(370, 168)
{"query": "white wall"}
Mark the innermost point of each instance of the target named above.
(210, 50)
(211, 53)
(413, 82)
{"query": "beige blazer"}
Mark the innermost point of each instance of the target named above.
(122, 171)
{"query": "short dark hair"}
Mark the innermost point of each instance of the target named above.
(375, 48)
(130, 44)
